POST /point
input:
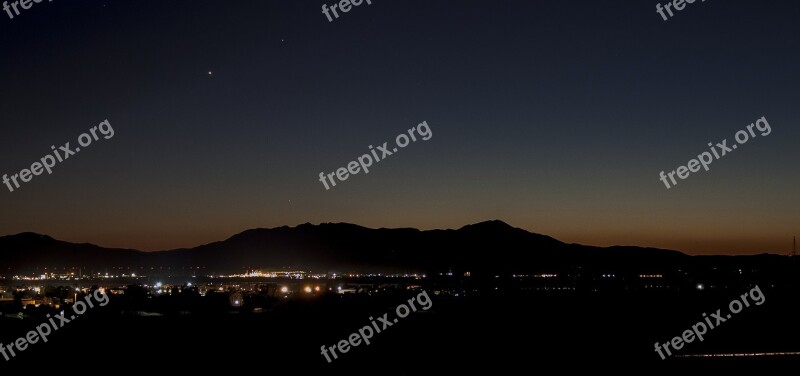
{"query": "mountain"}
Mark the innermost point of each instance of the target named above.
(28, 251)
(487, 247)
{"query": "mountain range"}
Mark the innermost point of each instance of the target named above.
(486, 247)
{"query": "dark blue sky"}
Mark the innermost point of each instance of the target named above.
(556, 117)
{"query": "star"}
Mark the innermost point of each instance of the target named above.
(210, 73)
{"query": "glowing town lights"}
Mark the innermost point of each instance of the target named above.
(158, 285)
(284, 289)
(700, 286)
(308, 289)
(316, 288)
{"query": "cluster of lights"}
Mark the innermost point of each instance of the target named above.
(306, 289)
(249, 274)
(267, 274)
(68, 276)
(370, 275)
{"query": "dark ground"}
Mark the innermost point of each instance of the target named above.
(527, 333)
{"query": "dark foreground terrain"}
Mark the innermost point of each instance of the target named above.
(520, 332)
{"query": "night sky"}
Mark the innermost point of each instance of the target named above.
(556, 117)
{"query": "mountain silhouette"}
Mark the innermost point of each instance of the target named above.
(486, 247)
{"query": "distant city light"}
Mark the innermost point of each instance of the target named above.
(700, 286)
(284, 289)
(308, 289)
